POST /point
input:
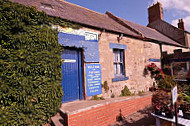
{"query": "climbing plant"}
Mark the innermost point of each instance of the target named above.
(30, 65)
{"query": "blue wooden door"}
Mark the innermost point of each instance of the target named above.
(71, 71)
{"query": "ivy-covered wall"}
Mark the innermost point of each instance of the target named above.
(30, 65)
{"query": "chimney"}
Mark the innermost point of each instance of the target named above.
(155, 12)
(181, 24)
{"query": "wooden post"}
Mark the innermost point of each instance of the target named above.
(176, 119)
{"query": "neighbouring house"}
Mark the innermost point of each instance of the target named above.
(176, 60)
(178, 34)
(109, 49)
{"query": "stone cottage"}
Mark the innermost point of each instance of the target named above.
(175, 62)
(109, 49)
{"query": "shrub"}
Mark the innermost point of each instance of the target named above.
(167, 83)
(95, 97)
(105, 86)
(125, 91)
(112, 95)
(30, 65)
(141, 92)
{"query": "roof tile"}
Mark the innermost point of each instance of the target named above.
(78, 14)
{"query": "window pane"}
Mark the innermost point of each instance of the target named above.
(121, 56)
(121, 69)
(118, 57)
(114, 57)
(115, 69)
(118, 69)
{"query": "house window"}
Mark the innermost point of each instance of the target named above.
(118, 63)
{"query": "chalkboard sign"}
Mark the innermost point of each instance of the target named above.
(93, 79)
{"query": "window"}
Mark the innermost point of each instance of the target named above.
(118, 63)
(180, 70)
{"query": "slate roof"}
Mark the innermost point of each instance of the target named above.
(78, 14)
(166, 28)
(147, 32)
(75, 13)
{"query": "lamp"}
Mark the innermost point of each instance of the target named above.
(120, 37)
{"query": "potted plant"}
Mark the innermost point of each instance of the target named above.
(168, 110)
(186, 110)
(161, 102)
(157, 102)
(157, 108)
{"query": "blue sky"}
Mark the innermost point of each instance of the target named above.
(136, 10)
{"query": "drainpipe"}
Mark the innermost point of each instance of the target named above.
(161, 57)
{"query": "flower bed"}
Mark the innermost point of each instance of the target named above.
(162, 100)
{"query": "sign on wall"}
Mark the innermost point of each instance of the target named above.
(93, 79)
(89, 35)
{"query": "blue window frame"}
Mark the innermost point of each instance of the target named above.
(119, 69)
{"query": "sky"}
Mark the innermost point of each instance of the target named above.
(136, 10)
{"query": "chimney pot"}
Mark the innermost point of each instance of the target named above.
(181, 24)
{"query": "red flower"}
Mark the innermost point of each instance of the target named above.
(156, 72)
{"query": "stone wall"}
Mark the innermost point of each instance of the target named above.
(170, 49)
(187, 39)
(136, 55)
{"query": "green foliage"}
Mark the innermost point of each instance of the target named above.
(161, 102)
(112, 95)
(186, 98)
(30, 65)
(95, 97)
(126, 91)
(141, 92)
(184, 93)
(167, 83)
(105, 86)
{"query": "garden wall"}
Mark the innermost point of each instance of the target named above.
(107, 113)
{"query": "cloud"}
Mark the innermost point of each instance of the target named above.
(175, 4)
(186, 21)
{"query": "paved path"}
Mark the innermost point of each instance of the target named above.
(140, 118)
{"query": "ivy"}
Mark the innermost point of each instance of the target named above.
(30, 65)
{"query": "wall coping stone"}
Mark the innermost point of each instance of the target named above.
(75, 107)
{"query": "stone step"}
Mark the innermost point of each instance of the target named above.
(57, 120)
